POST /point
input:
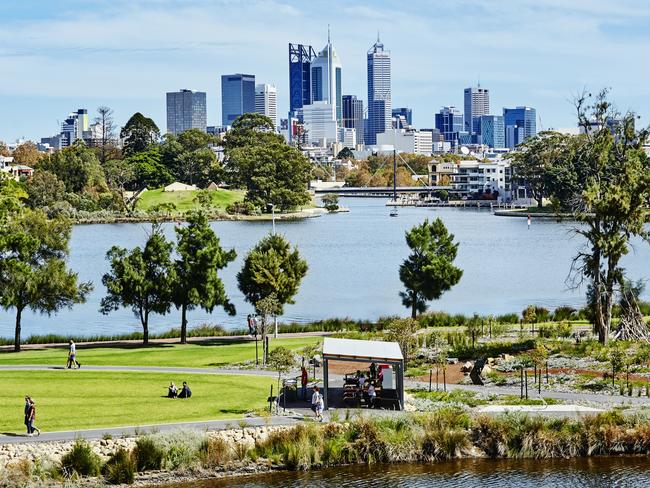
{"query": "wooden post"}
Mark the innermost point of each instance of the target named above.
(444, 378)
(526, 382)
(521, 383)
(430, 379)
(271, 400)
(547, 372)
(437, 378)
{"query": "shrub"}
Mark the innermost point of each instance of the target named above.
(215, 452)
(509, 318)
(148, 455)
(120, 468)
(564, 313)
(245, 208)
(542, 314)
(553, 331)
(81, 460)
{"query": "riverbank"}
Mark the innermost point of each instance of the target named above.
(446, 434)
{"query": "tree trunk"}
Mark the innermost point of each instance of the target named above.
(145, 329)
(19, 313)
(540, 201)
(184, 324)
(275, 326)
(414, 305)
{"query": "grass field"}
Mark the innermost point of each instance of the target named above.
(184, 200)
(78, 399)
(203, 355)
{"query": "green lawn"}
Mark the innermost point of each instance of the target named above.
(203, 355)
(184, 200)
(78, 399)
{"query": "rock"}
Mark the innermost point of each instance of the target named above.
(467, 367)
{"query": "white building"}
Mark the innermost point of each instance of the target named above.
(407, 140)
(266, 101)
(15, 171)
(326, 80)
(348, 137)
(473, 177)
(319, 125)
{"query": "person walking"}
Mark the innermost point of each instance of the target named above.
(320, 406)
(32, 418)
(304, 379)
(72, 355)
(28, 414)
(314, 399)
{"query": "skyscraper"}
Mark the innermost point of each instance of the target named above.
(520, 124)
(353, 115)
(266, 101)
(326, 79)
(237, 96)
(73, 127)
(405, 112)
(492, 131)
(379, 93)
(186, 109)
(449, 121)
(300, 59)
(477, 103)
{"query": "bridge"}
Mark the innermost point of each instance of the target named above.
(379, 191)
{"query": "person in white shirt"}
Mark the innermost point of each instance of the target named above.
(72, 355)
(314, 399)
(320, 406)
(372, 395)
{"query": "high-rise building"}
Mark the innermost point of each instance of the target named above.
(73, 127)
(405, 112)
(300, 59)
(477, 103)
(186, 109)
(379, 93)
(353, 115)
(266, 101)
(326, 79)
(449, 121)
(410, 141)
(237, 97)
(492, 131)
(318, 123)
(520, 124)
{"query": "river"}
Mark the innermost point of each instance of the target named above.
(600, 472)
(353, 267)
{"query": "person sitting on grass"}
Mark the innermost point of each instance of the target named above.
(185, 391)
(172, 390)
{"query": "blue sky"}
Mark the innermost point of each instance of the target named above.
(57, 56)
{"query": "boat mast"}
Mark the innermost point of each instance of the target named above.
(394, 176)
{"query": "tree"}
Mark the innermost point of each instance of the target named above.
(78, 168)
(149, 171)
(44, 189)
(4, 150)
(27, 153)
(282, 360)
(330, 202)
(139, 134)
(200, 257)
(119, 175)
(345, 153)
(610, 204)
(249, 130)
(189, 157)
(267, 307)
(429, 270)
(404, 332)
(272, 268)
(274, 173)
(33, 270)
(535, 161)
(141, 279)
(107, 146)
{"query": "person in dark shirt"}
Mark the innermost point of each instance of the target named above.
(185, 391)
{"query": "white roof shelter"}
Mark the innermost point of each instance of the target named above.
(350, 349)
(364, 352)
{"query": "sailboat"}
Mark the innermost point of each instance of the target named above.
(393, 212)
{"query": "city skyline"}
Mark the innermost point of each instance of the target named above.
(88, 64)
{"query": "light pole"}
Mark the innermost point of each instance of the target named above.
(272, 207)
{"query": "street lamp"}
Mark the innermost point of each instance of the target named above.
(271, 207)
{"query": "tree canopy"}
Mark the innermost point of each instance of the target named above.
(200, 258)
(189, 158)
(141, 279)
(27, 153)
(139, 134)
(272, 267)
(77, 167)
(429, 270)
(33, 269)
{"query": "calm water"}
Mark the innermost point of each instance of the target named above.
(605, 472)
(353, 267)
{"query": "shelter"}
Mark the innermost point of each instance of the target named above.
(352, 350)
(177, 186)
